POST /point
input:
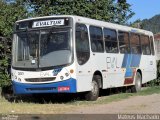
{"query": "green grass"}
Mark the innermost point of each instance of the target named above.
(102, 100)
(55, 108)
(31, 108)
(150, 90)
(119, 96)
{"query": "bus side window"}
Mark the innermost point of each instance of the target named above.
(152, 45)
(135, 43)
(145, 45)
(82, 44)
(123, 38)
(110, 37)
(96, 37)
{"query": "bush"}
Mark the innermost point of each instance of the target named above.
(5, 58)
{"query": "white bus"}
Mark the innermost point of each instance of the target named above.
(71, 54)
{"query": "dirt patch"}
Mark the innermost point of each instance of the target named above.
(137, 104)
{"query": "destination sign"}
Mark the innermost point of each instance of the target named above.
(47, 23)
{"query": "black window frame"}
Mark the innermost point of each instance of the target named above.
(152, 45)
(129, 47)
(116, 40)
(84, 55)
(135, 45)
(144, 47)
(94, 42)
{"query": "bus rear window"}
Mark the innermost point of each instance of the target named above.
(152, 45)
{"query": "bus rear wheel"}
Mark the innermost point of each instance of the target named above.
(138, 83)
(94, 93)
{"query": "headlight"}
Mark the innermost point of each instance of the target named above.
(61, 77)
(66, 74)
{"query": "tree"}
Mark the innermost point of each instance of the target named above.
(137, 24)
(5, 55)
(123, 11)
(9, 13)
(107, 10)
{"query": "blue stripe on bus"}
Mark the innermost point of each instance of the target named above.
(126, 64)
(130, 61)
(135, 60)
(23, 88)
(125, 60)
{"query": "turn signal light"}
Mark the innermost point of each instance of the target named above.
(71, 71)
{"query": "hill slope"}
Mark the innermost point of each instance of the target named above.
(152, 24)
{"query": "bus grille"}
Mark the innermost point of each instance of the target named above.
(37, 89)
(40, 79)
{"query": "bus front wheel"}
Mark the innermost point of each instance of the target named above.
(94, 93)
(138, 83)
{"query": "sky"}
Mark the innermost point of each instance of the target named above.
(144, 9)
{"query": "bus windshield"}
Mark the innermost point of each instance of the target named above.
(42, 48)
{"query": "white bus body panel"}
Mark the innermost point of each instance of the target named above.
(111, 66)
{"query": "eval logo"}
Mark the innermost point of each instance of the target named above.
(56, 71)
(44, 74)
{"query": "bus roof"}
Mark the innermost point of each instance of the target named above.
(95, 23)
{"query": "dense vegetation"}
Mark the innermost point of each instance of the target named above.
(19, 9)
(5, 58)
(9, 13)
(96, 9)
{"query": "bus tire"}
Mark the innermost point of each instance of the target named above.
(94, 93)
(138, 83)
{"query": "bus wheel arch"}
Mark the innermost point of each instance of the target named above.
(138, 82)
(139, 70)
(99, 78)
(95, 87)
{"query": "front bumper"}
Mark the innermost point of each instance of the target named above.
(67, 86)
